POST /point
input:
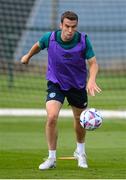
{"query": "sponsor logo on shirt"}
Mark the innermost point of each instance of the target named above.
(67, 55)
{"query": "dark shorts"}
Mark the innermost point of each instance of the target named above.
(75, 97)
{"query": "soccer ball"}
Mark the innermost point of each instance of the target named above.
(90, 119)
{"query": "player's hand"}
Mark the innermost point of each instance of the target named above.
(25, 59)
(92, 88)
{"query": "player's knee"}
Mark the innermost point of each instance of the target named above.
(77, 121)
(52, 119)
(77, 118)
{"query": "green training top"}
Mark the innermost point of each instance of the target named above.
(44, 43)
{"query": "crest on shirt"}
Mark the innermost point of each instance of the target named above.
(52, 94)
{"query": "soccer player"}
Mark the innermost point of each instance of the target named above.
(68, 52)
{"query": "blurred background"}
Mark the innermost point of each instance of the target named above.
(22, 23)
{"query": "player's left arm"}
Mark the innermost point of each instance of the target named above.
(92, 87)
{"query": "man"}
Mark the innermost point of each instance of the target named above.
(68, 51)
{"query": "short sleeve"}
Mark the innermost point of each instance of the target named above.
(44, 40)
(89, 49)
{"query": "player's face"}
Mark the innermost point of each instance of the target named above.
(68, 28)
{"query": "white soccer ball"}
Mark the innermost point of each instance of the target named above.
(91, 119)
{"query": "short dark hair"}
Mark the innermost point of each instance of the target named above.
(69, 15)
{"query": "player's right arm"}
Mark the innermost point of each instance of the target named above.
(36, 48)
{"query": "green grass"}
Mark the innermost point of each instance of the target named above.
(29, 91)
(23, 147)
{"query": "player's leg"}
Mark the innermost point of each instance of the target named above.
(54, 102)
(80, 132)
(79, 153)
(78, 101)
(52, 107)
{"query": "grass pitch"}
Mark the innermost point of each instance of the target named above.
(23, 147)
(29, 91)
